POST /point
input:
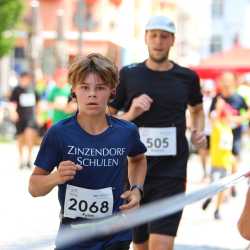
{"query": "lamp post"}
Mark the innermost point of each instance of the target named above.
(61, 49)
(35, 41)
(79, 22)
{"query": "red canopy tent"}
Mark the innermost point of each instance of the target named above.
(236, 60)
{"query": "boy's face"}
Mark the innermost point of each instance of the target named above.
(92, 95)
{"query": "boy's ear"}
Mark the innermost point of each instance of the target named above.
(73, 95)
(113, 92)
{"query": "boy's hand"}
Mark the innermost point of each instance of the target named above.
(66, 171)
(133, 197)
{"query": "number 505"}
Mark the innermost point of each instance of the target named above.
(157, 142)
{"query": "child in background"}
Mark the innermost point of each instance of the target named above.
(221, 142)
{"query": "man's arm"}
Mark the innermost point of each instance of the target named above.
(123, 115)
(196, 117)
(197, 125)
(244, 221)
(138, 106)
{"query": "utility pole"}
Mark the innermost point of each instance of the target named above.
(79, 22)
(61, 49)
(35, 41)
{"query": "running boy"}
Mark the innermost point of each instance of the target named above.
(89, 151)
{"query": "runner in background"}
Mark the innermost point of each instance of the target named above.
(244, 91)
(154, 95)
(208, 92)
(59, 98)
(227, 84)
(221, 143)
(23, 101)
(89, 151)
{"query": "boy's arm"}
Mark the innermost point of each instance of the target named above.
(137, 168)
(244, 221)
(42, 182)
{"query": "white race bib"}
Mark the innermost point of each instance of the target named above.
(226, 141)
(88, 203)
(27, 100)
(159, 141)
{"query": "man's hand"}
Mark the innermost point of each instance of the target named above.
(133, 197)
(198, 139)
(66, 171)
(140, 105)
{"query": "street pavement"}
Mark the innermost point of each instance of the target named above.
(25, 220)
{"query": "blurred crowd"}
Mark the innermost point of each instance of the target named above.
(226, 105)
(30, 108)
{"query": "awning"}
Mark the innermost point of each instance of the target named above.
(236, 60)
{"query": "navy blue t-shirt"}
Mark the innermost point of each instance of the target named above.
(103, 156)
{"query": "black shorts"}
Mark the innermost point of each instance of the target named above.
(236, 143)
(156, 189)
(23, 124)
(208, 142)
(120, 245)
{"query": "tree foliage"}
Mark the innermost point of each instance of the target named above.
(10, 13)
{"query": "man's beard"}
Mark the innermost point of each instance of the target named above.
(159, 60)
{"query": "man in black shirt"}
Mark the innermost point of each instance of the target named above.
(23, 99)
(154, 95)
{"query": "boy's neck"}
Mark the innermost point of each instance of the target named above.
(93, 124)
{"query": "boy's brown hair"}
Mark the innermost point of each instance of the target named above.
(93, 63)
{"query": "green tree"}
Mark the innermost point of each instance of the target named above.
(10, 13)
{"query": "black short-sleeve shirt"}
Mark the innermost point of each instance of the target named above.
(26, 100)
(171, 92)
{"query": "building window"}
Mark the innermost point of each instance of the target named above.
(217, 8)
(216, 44)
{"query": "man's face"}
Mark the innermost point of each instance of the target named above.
(159, 43)
(227, 84)
(25, 81)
